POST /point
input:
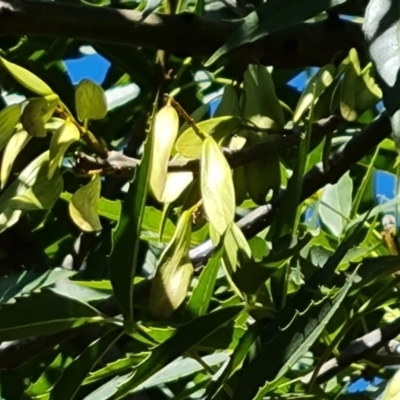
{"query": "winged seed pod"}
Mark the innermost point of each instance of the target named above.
(165, 131)
(382, 34)
(174, 271)
(217, 188)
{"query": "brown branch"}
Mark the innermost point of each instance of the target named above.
(185, 34)
(340, 162)
(118, 164)
(358, 349)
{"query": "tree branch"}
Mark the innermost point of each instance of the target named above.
(304, 44)
(118, 164)
(340, 162)
(357, 350)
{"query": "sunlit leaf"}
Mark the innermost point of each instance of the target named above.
(83, 206)
(41, 196)
(217, 187)
(9, 118)
(13, 147)
(315, 87)
(26, 78)
(189, 144)
(60, 141)
(36, 113)
(90, 100)
(35, 171)
(174, 271)
(382, 35)
(165, 131)
(335, 204)
(26, 282)
(175, 184)
(348, 87)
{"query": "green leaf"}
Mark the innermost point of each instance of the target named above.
(262, 176)
(116, 367)
(83, 206)
(217, 189)
(348, 87)
(286, 221)
(174, 271)
(181, 368)
(36, 170)
(261, 106)
(315, 87)
(67, 134)
(75, 373)
(259, 248)
(382, 33)
(272, 16)
(9, 118)
(229, 104)
(43, 313)
(165, 131)
(36, 113)
(189, 144)
(13, 147)
(49, 377)
(42, 195)
(236, 359)
(201, 296)
(288, 347)
(335, 206)
(90, 100)
(26, 78)
(368, 92)
(175, 184)
(26, 282)
(185, 339)
(123, 258)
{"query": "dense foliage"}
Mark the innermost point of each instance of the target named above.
(153, 247)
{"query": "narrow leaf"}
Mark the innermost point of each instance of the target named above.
(74, 374)
(200, 299)
(42, 314)
(126, 236)
(26, 282)
(185, 339)
(26, 78)
(288, 347)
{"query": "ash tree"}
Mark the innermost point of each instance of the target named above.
(152, 247)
